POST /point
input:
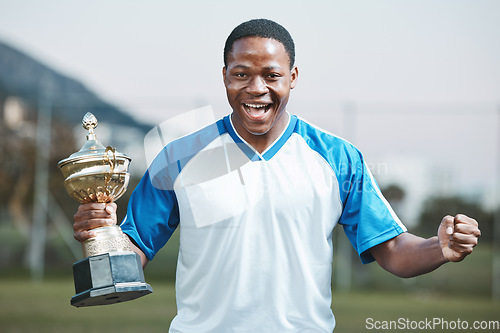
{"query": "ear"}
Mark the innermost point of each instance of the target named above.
(294, 75)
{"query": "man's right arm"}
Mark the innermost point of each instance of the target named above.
(95, 215)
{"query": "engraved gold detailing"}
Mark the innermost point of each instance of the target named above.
(107, 239)
(106, 245)
(99, 194)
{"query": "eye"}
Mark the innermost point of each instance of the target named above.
(273, 75)
(241, 75)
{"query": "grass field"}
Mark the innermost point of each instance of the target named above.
(455, 291)
(44, 307)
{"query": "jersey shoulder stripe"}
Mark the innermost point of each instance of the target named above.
(169, 162)
(367, 217)
(340, 154)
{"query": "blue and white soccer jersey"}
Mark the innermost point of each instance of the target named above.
(256, 229)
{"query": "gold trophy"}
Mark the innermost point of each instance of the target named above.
(110, 272)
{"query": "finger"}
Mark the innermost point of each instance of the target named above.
(468, 229)
(464, 219)
(82, 230)
(111, 208)
(91, 214)
(461, 248)
(91, 206)
(464, 239)
(84, 225)
(448, 223)
(82, 236)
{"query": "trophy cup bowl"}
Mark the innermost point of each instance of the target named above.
(110, 271)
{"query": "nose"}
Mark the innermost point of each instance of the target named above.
(257, 86)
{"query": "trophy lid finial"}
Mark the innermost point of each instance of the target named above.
(92, 148)
(89, 122)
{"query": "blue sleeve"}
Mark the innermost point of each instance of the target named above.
(152, 216)
(367, 218)
(153, 210)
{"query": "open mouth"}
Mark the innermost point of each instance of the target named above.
(257, 111)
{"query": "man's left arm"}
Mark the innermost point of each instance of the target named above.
(408, 255)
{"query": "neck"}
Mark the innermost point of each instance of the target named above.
(260, 142)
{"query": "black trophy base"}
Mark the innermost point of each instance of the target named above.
(109, 278)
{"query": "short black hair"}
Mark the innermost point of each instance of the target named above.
(261, 28)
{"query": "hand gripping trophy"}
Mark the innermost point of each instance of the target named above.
(110, 272)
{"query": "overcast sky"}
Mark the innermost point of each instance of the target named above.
(156, 59)
(149, 55)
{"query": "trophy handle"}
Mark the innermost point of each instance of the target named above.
(112, 163)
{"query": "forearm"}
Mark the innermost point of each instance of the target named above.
(408, 255)
(144, 259)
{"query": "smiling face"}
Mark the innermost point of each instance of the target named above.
(258, 81)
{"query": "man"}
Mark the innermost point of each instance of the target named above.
(256, 197)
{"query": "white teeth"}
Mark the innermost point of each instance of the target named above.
(256, 106)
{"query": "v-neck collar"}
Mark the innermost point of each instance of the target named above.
(270, 151)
